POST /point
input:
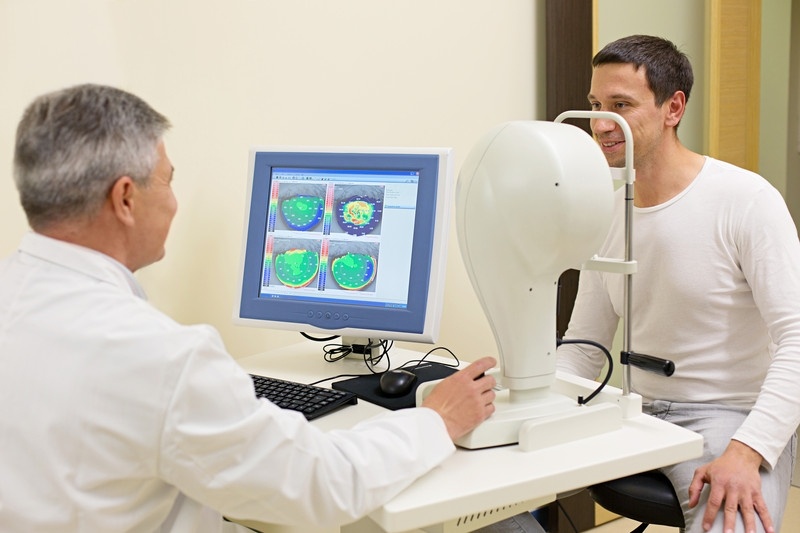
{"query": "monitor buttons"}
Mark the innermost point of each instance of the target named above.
(319, 316)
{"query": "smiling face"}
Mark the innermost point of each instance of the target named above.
(623, 89)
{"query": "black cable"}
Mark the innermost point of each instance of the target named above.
(336, 352)
(581, 399)
(373, 352)
(318, 339)
(331, 378)
(424, 357)
(372, 360)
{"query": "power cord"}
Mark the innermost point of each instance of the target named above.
(424, 357)
(334, 353)
(318, 339)
(581, 399)
(337, 352)
(373, 352)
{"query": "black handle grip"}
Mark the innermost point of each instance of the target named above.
(649, 363)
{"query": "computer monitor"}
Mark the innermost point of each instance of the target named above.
(346, 241)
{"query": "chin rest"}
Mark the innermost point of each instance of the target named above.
(647, 497)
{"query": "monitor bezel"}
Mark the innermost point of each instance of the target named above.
(420, 320)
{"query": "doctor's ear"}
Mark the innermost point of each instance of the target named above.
(121, 199)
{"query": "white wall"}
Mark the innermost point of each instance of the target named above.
(252, 72)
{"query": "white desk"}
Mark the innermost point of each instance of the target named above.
(499, 481)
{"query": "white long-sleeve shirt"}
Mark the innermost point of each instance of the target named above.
(113, 417)
(717, 291)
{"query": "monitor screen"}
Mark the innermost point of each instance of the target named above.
(346, 241)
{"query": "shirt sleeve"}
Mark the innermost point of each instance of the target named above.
(770, 260)
(251, 460)
(593, 318)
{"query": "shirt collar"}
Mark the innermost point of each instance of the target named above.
(81, 259)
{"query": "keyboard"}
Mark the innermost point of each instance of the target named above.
(310, 400)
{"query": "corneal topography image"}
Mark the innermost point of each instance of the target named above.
(296, 267)
(354, 271)
(359, 209)
(302, 212)
(359, 215)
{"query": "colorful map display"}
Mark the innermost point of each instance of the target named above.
(359, 215)
(354, 271)
(302, 212)
(296, 268)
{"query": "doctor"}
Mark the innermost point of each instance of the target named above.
(117, 418)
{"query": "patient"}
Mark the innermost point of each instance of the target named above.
(717, 291)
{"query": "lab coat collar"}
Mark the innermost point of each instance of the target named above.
(81, 259)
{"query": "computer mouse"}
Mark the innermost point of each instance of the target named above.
(397, 382)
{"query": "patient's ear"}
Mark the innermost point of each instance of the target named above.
(675, 108)
(121, 199)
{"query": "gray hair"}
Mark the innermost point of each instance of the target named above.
(73, 144)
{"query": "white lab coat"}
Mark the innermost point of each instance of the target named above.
(116, 418)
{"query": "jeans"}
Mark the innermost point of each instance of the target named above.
(717, 424)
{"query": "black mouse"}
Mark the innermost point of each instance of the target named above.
(397, 382)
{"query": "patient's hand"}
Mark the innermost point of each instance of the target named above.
(735, 488)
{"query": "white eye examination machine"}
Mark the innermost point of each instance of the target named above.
(533, 199)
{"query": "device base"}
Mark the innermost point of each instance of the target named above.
(549, 420)
(547, 417)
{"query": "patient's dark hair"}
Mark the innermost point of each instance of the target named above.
(667, 69)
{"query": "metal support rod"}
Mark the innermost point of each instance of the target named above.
(628, 290)
(630, 177)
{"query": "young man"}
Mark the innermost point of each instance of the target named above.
(717, 291)
(116, 418)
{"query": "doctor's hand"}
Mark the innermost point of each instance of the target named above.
(464, 399)
(735, 486)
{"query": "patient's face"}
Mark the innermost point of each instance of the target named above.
(623, 89)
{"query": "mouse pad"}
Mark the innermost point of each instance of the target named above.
(367, 387)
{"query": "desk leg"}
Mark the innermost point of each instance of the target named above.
(578, 506)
